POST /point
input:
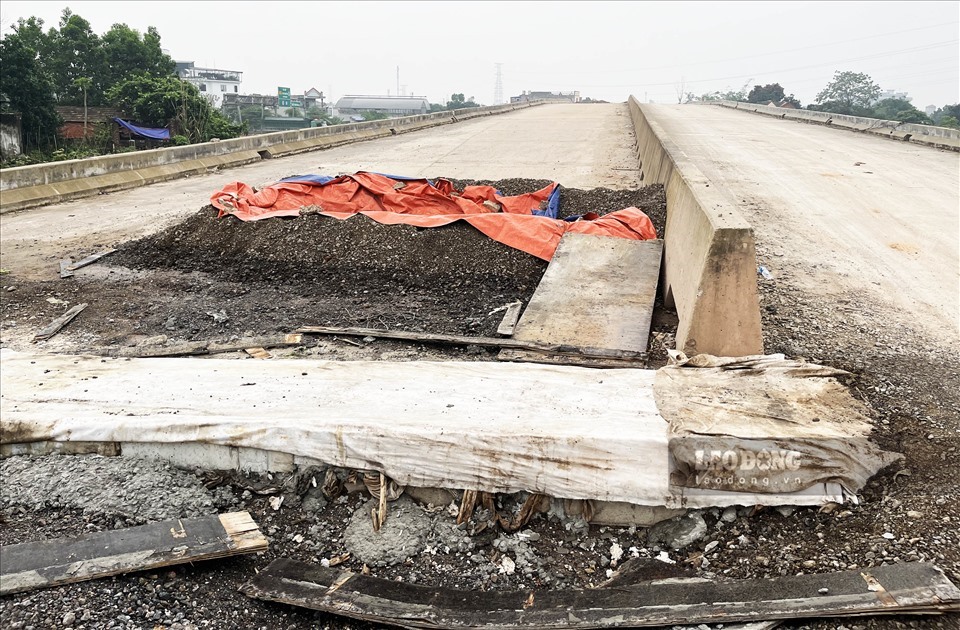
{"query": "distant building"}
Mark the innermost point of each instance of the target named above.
(930, 110)
(302, 102)
(560, 97)
(213, 83)
(884, 95)
(72, 128)
(390, 105)
(784, 104)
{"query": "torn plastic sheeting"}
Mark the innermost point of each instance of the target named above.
(764, 424)
(144, 132)
(520, 223)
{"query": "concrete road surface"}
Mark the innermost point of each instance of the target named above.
(581, 146)
(869, 217)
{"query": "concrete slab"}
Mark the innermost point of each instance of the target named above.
(874, 218)
(597, 292)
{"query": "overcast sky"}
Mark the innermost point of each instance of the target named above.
(604, 50)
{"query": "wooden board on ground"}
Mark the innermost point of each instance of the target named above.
(524, 356)
(895, 589)
(468, 340)
(597, 292)
(34, 565)
(510, 317)
(57, 325)
(255, 347)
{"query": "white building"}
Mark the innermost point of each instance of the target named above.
(212, 82)
(903, 96)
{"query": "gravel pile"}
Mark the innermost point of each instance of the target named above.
(207, 278)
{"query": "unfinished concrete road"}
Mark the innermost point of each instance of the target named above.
(582, 146)
(847, 216)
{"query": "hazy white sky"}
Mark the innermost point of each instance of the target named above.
(605, 50)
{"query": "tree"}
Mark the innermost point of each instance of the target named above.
(901, 110)
(950, 121)
(124, 51)
(849, 93)
(947, 112)
(457, 101)
(28, 91)
(73, 53)
(168, 101)
(84, 84)
(373, 115)
(771, 92)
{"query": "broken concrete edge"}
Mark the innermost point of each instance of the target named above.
(207, 456)
(709, 270)
(928, 135)
(53, 182)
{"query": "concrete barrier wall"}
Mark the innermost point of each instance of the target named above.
(939, 137)
(52, 182)
(710, 268)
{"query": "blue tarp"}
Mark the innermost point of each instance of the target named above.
(553, 205)
(144, 132)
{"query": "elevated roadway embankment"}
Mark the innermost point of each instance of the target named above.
(845, 215)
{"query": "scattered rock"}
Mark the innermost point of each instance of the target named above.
(677, 532)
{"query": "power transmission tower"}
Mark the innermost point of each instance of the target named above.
(498, 87)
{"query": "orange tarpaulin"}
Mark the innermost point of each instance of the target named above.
(508, 220)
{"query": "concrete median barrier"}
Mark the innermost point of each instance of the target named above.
(52, 182)
(930, 135)
(709, 268)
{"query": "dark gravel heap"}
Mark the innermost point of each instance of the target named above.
(320, 270)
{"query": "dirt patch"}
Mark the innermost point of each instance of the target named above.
(209, 278)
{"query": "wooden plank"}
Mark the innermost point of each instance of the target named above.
(89, 260)
(57, 325)
(465, 340)
(30, 566)
(194, 348)
(65, 270)
(258, 353)
(509, 321)
(523, 356)
(908, 587)
(597, 292)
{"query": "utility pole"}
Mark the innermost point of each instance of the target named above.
(498, 86)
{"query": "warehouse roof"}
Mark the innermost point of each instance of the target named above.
(383, 102)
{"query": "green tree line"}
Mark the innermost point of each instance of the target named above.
(850, 93)
(69, 64)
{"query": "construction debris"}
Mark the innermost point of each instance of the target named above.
(916, 588)
(34, 565)
(57, 325)
(255, 347)
(67, 266)
(465, 340)
(510, 318)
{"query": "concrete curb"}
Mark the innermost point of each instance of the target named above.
(929, 135)
(41, 184)
(710, 267)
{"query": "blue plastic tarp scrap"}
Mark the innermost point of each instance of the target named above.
(144, 132)
(553, 205)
